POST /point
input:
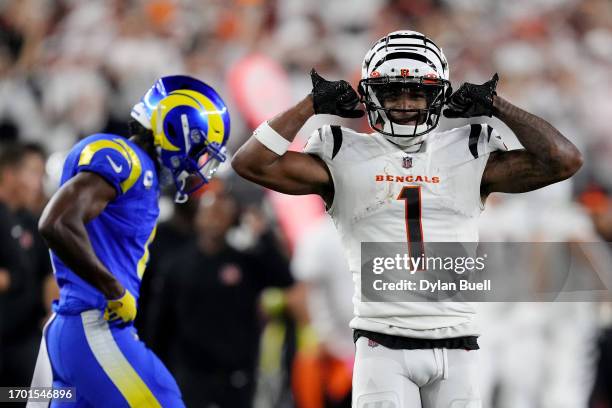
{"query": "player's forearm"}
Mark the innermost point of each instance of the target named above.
(70, 242)
(253, 155)
(540, 138)
(289, 123)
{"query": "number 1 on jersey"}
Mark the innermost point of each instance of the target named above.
(414, 227)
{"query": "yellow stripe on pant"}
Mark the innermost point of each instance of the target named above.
(114, 363)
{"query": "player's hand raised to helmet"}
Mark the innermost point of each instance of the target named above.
(334, 97)
(472, 100)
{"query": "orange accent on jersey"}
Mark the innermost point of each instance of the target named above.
(407, 179)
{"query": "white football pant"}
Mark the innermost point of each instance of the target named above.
(425, 378)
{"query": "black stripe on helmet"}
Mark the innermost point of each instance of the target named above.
(406, 55)
(417, 45)
(406, 46)
(414, 36)
(421, 37)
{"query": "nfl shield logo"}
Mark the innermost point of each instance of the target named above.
(407, 162)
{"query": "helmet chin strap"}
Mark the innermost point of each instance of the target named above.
(181, 181)
(411, 144)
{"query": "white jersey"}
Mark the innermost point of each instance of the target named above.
(443, 181)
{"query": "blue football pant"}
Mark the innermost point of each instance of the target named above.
(107, 364)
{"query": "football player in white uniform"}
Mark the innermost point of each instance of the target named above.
(407, 182)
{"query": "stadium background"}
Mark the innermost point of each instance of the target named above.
(71, 68)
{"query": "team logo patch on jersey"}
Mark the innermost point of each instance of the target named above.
(372, 343)
(148, 179)
(407, 162)
(117, 168)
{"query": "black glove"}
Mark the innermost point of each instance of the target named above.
(334, 97)
(472, 100)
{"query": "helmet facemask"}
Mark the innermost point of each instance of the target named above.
(197, 168)
(388, 113)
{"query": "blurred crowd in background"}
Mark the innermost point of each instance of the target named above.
(70, 68)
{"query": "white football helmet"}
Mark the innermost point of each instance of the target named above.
(399, 62)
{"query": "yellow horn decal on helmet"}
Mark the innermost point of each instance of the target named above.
(159, 114)
(157, 125)
(216, 128)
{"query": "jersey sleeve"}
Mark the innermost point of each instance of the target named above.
(490, 140)
(325, 142)
(108, 159)
(484, 140)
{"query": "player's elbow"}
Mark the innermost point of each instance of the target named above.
(47, 228)
(245, 164)
(50, 228)
(239, 164)
(571, 163)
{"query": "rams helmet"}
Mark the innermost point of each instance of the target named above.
(190, 125)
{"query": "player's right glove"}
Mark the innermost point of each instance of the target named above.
(123, 308)
(334, 97)
(472, 100)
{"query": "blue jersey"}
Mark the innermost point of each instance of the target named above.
(121, 234)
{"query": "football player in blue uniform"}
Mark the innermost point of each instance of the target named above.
(99, 225)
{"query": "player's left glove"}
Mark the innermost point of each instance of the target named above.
(334, 97)
(123, 308)
(472, 100)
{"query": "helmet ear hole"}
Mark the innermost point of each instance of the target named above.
(171, 131)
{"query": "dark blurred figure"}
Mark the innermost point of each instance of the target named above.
(32, 176)
(33, 200)
(24, 264)
(9, 132)
(207, 326)
(170, 236)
